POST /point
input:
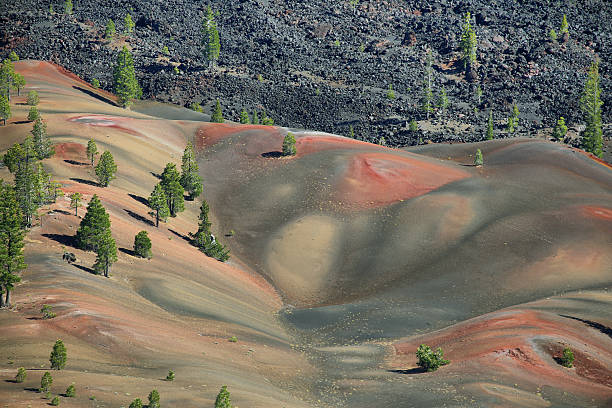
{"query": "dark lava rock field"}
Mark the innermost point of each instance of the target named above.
(327, 66)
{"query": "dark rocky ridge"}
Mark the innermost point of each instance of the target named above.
(309, 81)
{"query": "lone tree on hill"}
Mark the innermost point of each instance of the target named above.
(142, 245)
(210, 38)
(190, 179)
(217, 115)
(223, 398)
(430, 360)
(468, 43)
(92, 151)
(124, 79)
(5, 109)
(159, 204)
(289, 148)
(11, 242)
(75, 202)
(205, 240)
(170, 182)
(93, 226)
(478, 160)
(592, 137)
(106, 169)
(42, 143)
(106, 253)
(560, 130)
(490, 126)
(58, 356)
(153, 399)
(564, 29)
(45, 382)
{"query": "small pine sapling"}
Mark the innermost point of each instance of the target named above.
(289, 148)
(170, 376)
(47, 312)
(45, 382)
(70, 391)
(21, 375)
(55, 401)
(567, 360)
(430, 360)
(560, 130)
(478, 160)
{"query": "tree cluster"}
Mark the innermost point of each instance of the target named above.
(205, 240)
(94, 233)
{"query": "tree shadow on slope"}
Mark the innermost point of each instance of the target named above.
(598, 326)
(139, 217)
(186, 238)
(140, 199)
(272, 155)
(94, 95)
(83, 181)
(67, 240)
(128, 251)
(84, 268)
(415, 370)
(76, 163)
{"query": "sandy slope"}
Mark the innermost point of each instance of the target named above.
(370, 250)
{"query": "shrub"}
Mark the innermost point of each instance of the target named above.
(21, 375)
(165, 50)
(45, 382)
(552, 34)
(413, 126)
(223, 398)
(128, 24)
(567, 360)
(195, 107)
(382, 141)
(244, 117)
(217, 116)
(430, 360)
(68, 10)
(233, 339)
(137, 403)
(55, 401)
(47, 313)
(110, 30)
(142, 245)
(13, 56)
(289, 148)
(33, 114)
(70, 391)
(560, 129)
(478, 161)
(95, 83)
(390, 92)
(33, 98)
(170, 376)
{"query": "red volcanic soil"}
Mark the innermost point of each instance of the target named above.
(106, 121)
(522, 345)
(603, 213)
(70, 151)
(374, 179)
(210, 133)
(318, 143)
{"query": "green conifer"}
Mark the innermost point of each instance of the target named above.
(58, 356)
(68, 7)
(468, 42)
(128, 24)
(153, 399)
(592, 137)
(13, 56)
(11, 242)
(244, 117)
(490, 126)
(173, 189)
(42, 143)
(159, 204)
(137, 403)
(124, 79)
(289, 148)
(95, 223)
(106, 169)
(190, 178)
(110, 30)
(75, 202)
(92, 150)
(217, 116)
(223, 398)
(560, 130)
(33, 114)
(21, 375)
(32, 98)
(106, 253)
(142, 245)
(210, 38)
(70, 391)
(478, 161)
(564, 29)
(5, 109)
(45, 382)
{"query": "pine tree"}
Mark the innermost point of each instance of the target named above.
(45, 382)
(32, 98)
(68, 7)
(129, 24)
(42, 143)
(513, 120)
(106, 169)
(190, 178)
(153, 399)
(217, 116)
(92, 151)
(11, 242)
(13, 56)
(22, 160)
(413, 126)
(210, 38)
(7, 78)
(159, 203)
(33, 114)
(106, 253)
(592, 137)
(95, 223)
(75, 202)
(468, 43)
(58, 356)
(21, 375)
(560, 130)
(137, 403)
(289, 148)
(19, 82)
(142, 245)
(5, 109)
(95, 83)
(442, 100)
(110, 30)
(490, 126)
(223, 398)
(244, 117)
(173, 189)
(124, 79)
(205, 240)
(351, 132)
(427, 98)
(70, 391)
(478, 158)
(203, 225)
(564, 29)
(255, 118)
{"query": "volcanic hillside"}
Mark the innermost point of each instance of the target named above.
(345, 258)
(328, 66)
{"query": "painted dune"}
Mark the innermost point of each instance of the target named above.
(345, 258)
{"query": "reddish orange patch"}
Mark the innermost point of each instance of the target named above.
(114, 122)
(73, 151)
(603, 213)
(210, 133)
(374, 179)
(317, 143)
